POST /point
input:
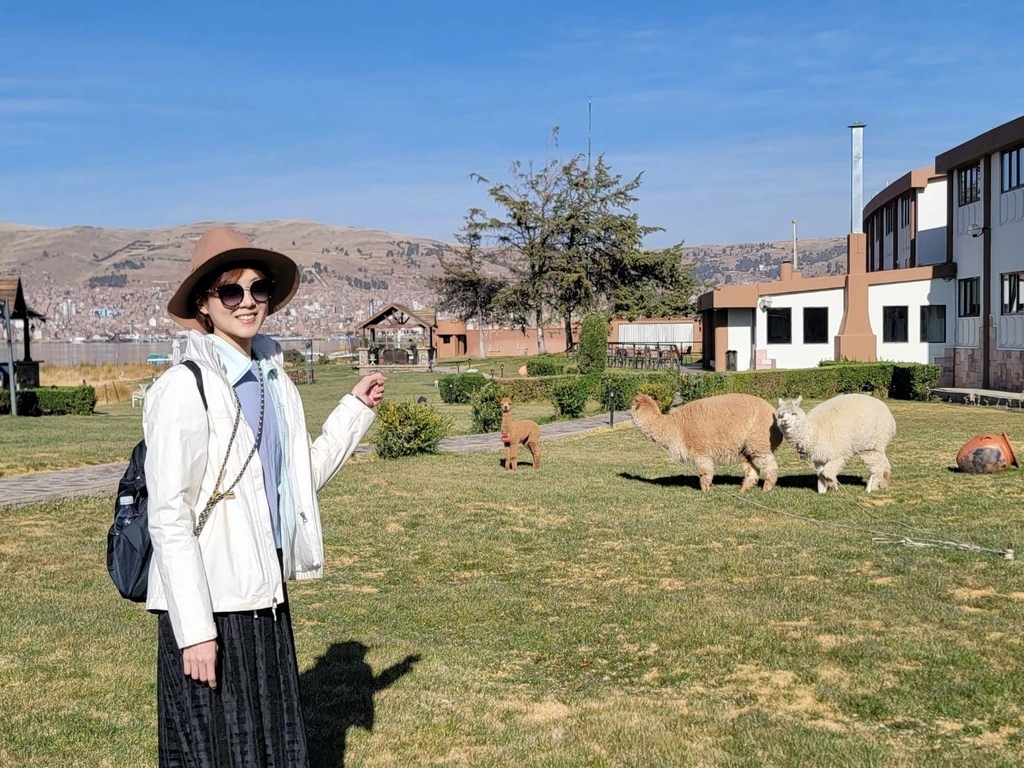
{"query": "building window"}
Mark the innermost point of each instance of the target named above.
(970, 185)
(933, 324)
(1013, 303)
(888, 219)
(815, 325)
(1013, 165)
(904, 212)
(894, 324)
(968, 292)
(780, 326)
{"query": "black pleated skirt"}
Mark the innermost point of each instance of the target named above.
(253, 718)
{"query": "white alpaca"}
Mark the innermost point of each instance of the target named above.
(721, 428)
(838, 429)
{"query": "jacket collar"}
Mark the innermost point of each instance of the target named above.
(208, 350)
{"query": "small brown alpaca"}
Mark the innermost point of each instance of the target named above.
(516, 433)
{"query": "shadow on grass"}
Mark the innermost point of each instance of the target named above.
(337, 694)
(807, 481)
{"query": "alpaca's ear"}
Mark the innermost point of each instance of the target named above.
(799, 399)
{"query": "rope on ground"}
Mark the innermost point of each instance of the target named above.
(883, 537)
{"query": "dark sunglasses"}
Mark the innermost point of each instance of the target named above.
(231, 295)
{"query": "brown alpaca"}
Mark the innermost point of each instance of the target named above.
(516, 433)
(721, 427)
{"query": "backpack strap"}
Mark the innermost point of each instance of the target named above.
(193, 366)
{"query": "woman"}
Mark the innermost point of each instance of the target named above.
(233, 513)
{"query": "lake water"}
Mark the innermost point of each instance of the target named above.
(120, 352)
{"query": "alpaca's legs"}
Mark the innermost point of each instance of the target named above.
(879, 467)
(828, 474)
(534, 447)
(749, 474)
(706, 470)
(510, 458)
(766, 463)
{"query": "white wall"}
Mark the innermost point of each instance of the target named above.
(1007, 254)
(931, 223)
(912, 295)
(741, 337)
(968, 253)
(903, 241)
(680, 332)
(797, 354)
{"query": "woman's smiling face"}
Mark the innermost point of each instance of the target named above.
(237, 325)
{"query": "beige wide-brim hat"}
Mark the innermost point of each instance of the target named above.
(219, 249)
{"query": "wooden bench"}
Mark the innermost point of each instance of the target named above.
(300, 376)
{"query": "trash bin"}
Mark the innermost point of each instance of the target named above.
(730, 360)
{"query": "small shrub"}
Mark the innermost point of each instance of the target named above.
(593, 344)
(459, 387)
(570, 397)
(407, 428)
(545, 365)
(294, 357)
(487, 409)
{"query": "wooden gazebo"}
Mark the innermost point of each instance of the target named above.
(398, 336)
(26, 370)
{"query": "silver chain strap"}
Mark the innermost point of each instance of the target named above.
(217, 494)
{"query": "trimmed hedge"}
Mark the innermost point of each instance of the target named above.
(459, 387)
(51, 401)
(594, 344)
(526, 390)
(901, 381)
(628, 383)
(545, 365)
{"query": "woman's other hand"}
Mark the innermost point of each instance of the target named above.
(199, 662)
(370, 389)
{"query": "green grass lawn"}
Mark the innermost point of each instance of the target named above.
(599, 612)
(50, 443)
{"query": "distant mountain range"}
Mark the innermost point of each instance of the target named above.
(389, 266)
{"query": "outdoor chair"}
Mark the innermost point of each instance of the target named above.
(139, 395)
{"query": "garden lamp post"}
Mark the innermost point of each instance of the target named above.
(612, 395)
(503, 370)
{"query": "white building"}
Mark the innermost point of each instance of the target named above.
(934, 278)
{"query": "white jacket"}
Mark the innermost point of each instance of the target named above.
(232, 565)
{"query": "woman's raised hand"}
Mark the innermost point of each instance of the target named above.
(370, 389)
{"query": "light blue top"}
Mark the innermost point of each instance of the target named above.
(242, 373)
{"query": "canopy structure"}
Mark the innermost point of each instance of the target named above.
(397, 335)
(14, 298)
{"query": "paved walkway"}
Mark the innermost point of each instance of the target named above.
(101, 480)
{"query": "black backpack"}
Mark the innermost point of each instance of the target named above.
(128, 546)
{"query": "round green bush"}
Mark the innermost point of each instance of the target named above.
(406, 428)
(570, 397)
(487, 409)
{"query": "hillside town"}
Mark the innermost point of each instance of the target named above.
(327, 308)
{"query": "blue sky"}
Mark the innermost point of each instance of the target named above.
(375, 114)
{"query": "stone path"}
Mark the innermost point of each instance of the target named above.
(101, 480)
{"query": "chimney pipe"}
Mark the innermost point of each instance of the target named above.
(857, 178)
